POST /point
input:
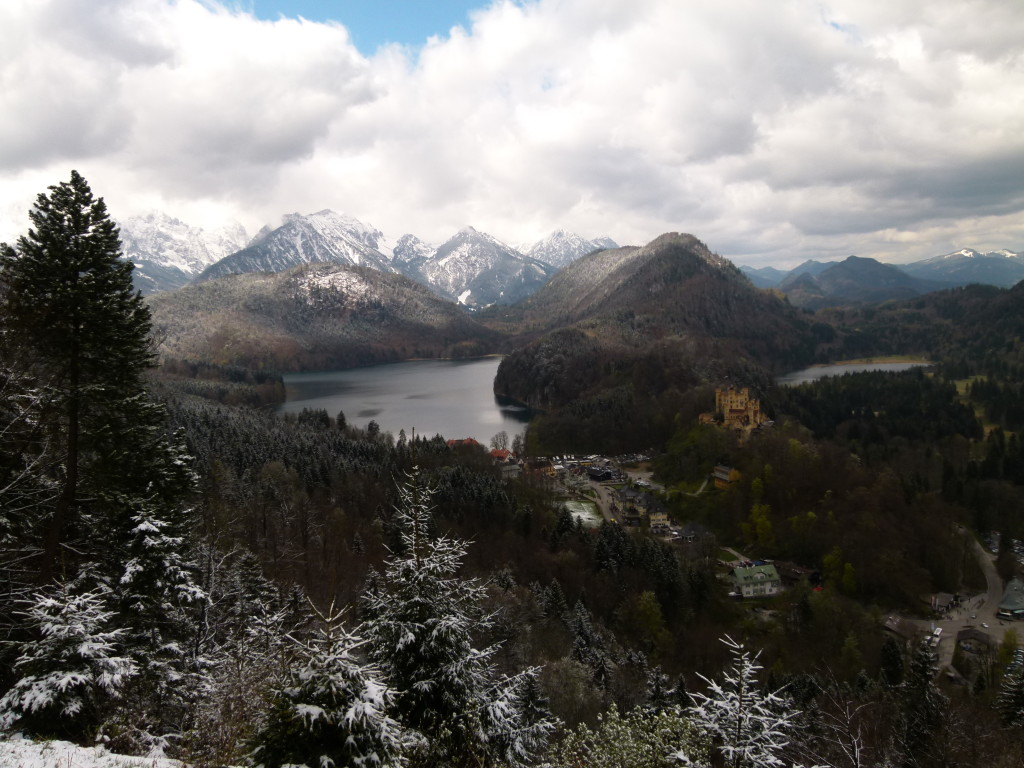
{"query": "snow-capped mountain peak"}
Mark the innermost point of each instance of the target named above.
(324, 236)
(477, 269)
(168, 253)
(561, 248)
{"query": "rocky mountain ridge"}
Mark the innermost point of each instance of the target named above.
(471, 268)
(168, 253)
(323, 237)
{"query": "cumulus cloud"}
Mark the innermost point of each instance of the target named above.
(773, 131)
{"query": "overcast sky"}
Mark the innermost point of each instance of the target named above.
(774, 131)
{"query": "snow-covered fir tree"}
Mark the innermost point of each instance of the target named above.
(748, 726)
(72, 670)
(1010, 700)
(153, 585)
(640, 739)
(332, 710)
(420, 619)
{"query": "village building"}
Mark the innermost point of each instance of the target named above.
(724, 475)
(541, 466)
(902, 627)
(466, 442)
(942, 602)
(1012, 604)
(633, 507)
(757, 581)
(974, 640)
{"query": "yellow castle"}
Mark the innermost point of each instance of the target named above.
(738, 409)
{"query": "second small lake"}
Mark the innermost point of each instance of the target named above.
(816, 372)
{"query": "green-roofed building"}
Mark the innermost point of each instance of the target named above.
(1012, 604)
(757, 581)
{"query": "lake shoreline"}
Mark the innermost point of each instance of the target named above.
(891, 363)
(882, 360)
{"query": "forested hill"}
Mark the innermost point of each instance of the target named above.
(313, 317)
(624, 335)
(674, 287)
(963, 322)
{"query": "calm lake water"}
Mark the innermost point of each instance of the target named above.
(454, 398)
(816, 372)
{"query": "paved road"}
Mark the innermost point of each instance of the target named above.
(604, 499)
(981, 607)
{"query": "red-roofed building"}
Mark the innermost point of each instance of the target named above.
(467, 442)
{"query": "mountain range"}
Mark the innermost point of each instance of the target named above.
(471, 268)
(854, 280)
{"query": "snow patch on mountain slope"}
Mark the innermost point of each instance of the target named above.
(341, 281)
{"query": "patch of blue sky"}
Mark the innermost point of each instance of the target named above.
(373, 23)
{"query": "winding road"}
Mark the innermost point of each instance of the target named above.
(978, 611)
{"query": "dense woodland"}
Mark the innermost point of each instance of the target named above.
(182, 569)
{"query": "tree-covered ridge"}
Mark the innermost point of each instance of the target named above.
(877, 407)
(313, 317)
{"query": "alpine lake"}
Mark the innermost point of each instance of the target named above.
(453, 398)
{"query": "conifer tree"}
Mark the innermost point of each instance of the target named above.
(66, 299)
(420, 617)
(748, 726)
(332, 711)
(924, 708)
(72, 670)
(114, 521)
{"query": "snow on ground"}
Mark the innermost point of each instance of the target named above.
(16, 752)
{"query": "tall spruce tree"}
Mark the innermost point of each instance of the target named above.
(114, 520)
(68, 302)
